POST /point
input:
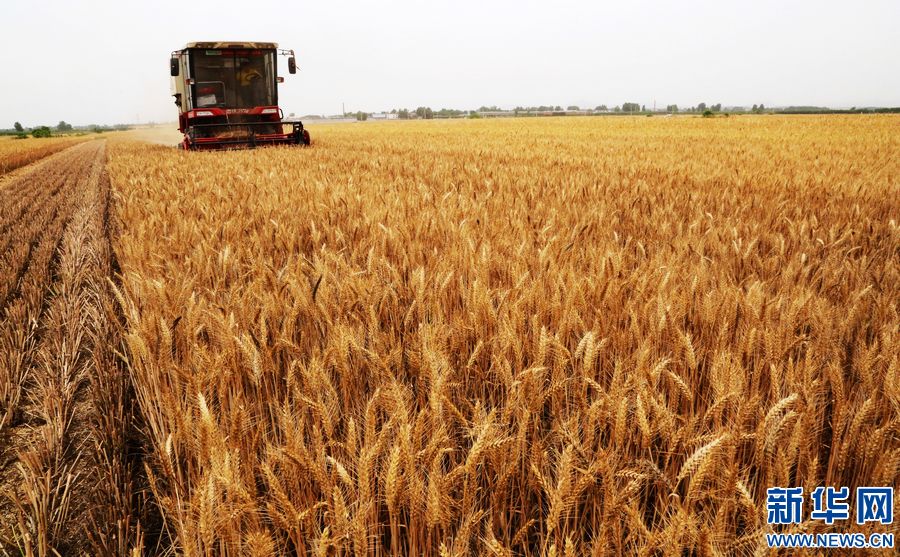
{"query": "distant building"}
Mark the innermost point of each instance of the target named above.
(383, 116)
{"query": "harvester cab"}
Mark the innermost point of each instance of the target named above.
(227, 96)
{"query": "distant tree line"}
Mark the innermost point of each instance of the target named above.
(424, 113)
(541, 108)
(626, 108)
(62, 127)
(852, 110)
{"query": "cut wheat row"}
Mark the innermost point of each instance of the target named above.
(65, 478)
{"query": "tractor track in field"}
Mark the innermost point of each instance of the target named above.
(66, 428)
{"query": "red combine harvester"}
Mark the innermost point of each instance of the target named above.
(227, 96)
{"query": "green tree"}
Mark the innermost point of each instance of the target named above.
(41, 131)
(601, 108)
(573, 107)
(362, 116)
(18, 127)
(673, 108)
(701, 107)
(63, 126)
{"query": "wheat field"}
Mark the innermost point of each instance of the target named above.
(15, 153)
(526, 337)
(530, 337)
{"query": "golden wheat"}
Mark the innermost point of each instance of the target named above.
(568, 336)
(528, 337)
(15, 153)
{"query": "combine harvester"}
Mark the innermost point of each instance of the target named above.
(227, 96)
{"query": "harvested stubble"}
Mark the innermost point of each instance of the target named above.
(65, 475)
(528, 337)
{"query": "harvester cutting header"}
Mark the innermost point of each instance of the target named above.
(227, 96)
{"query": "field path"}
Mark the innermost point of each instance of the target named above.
(62, 412)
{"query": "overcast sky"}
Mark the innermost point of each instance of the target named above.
(107, 61)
